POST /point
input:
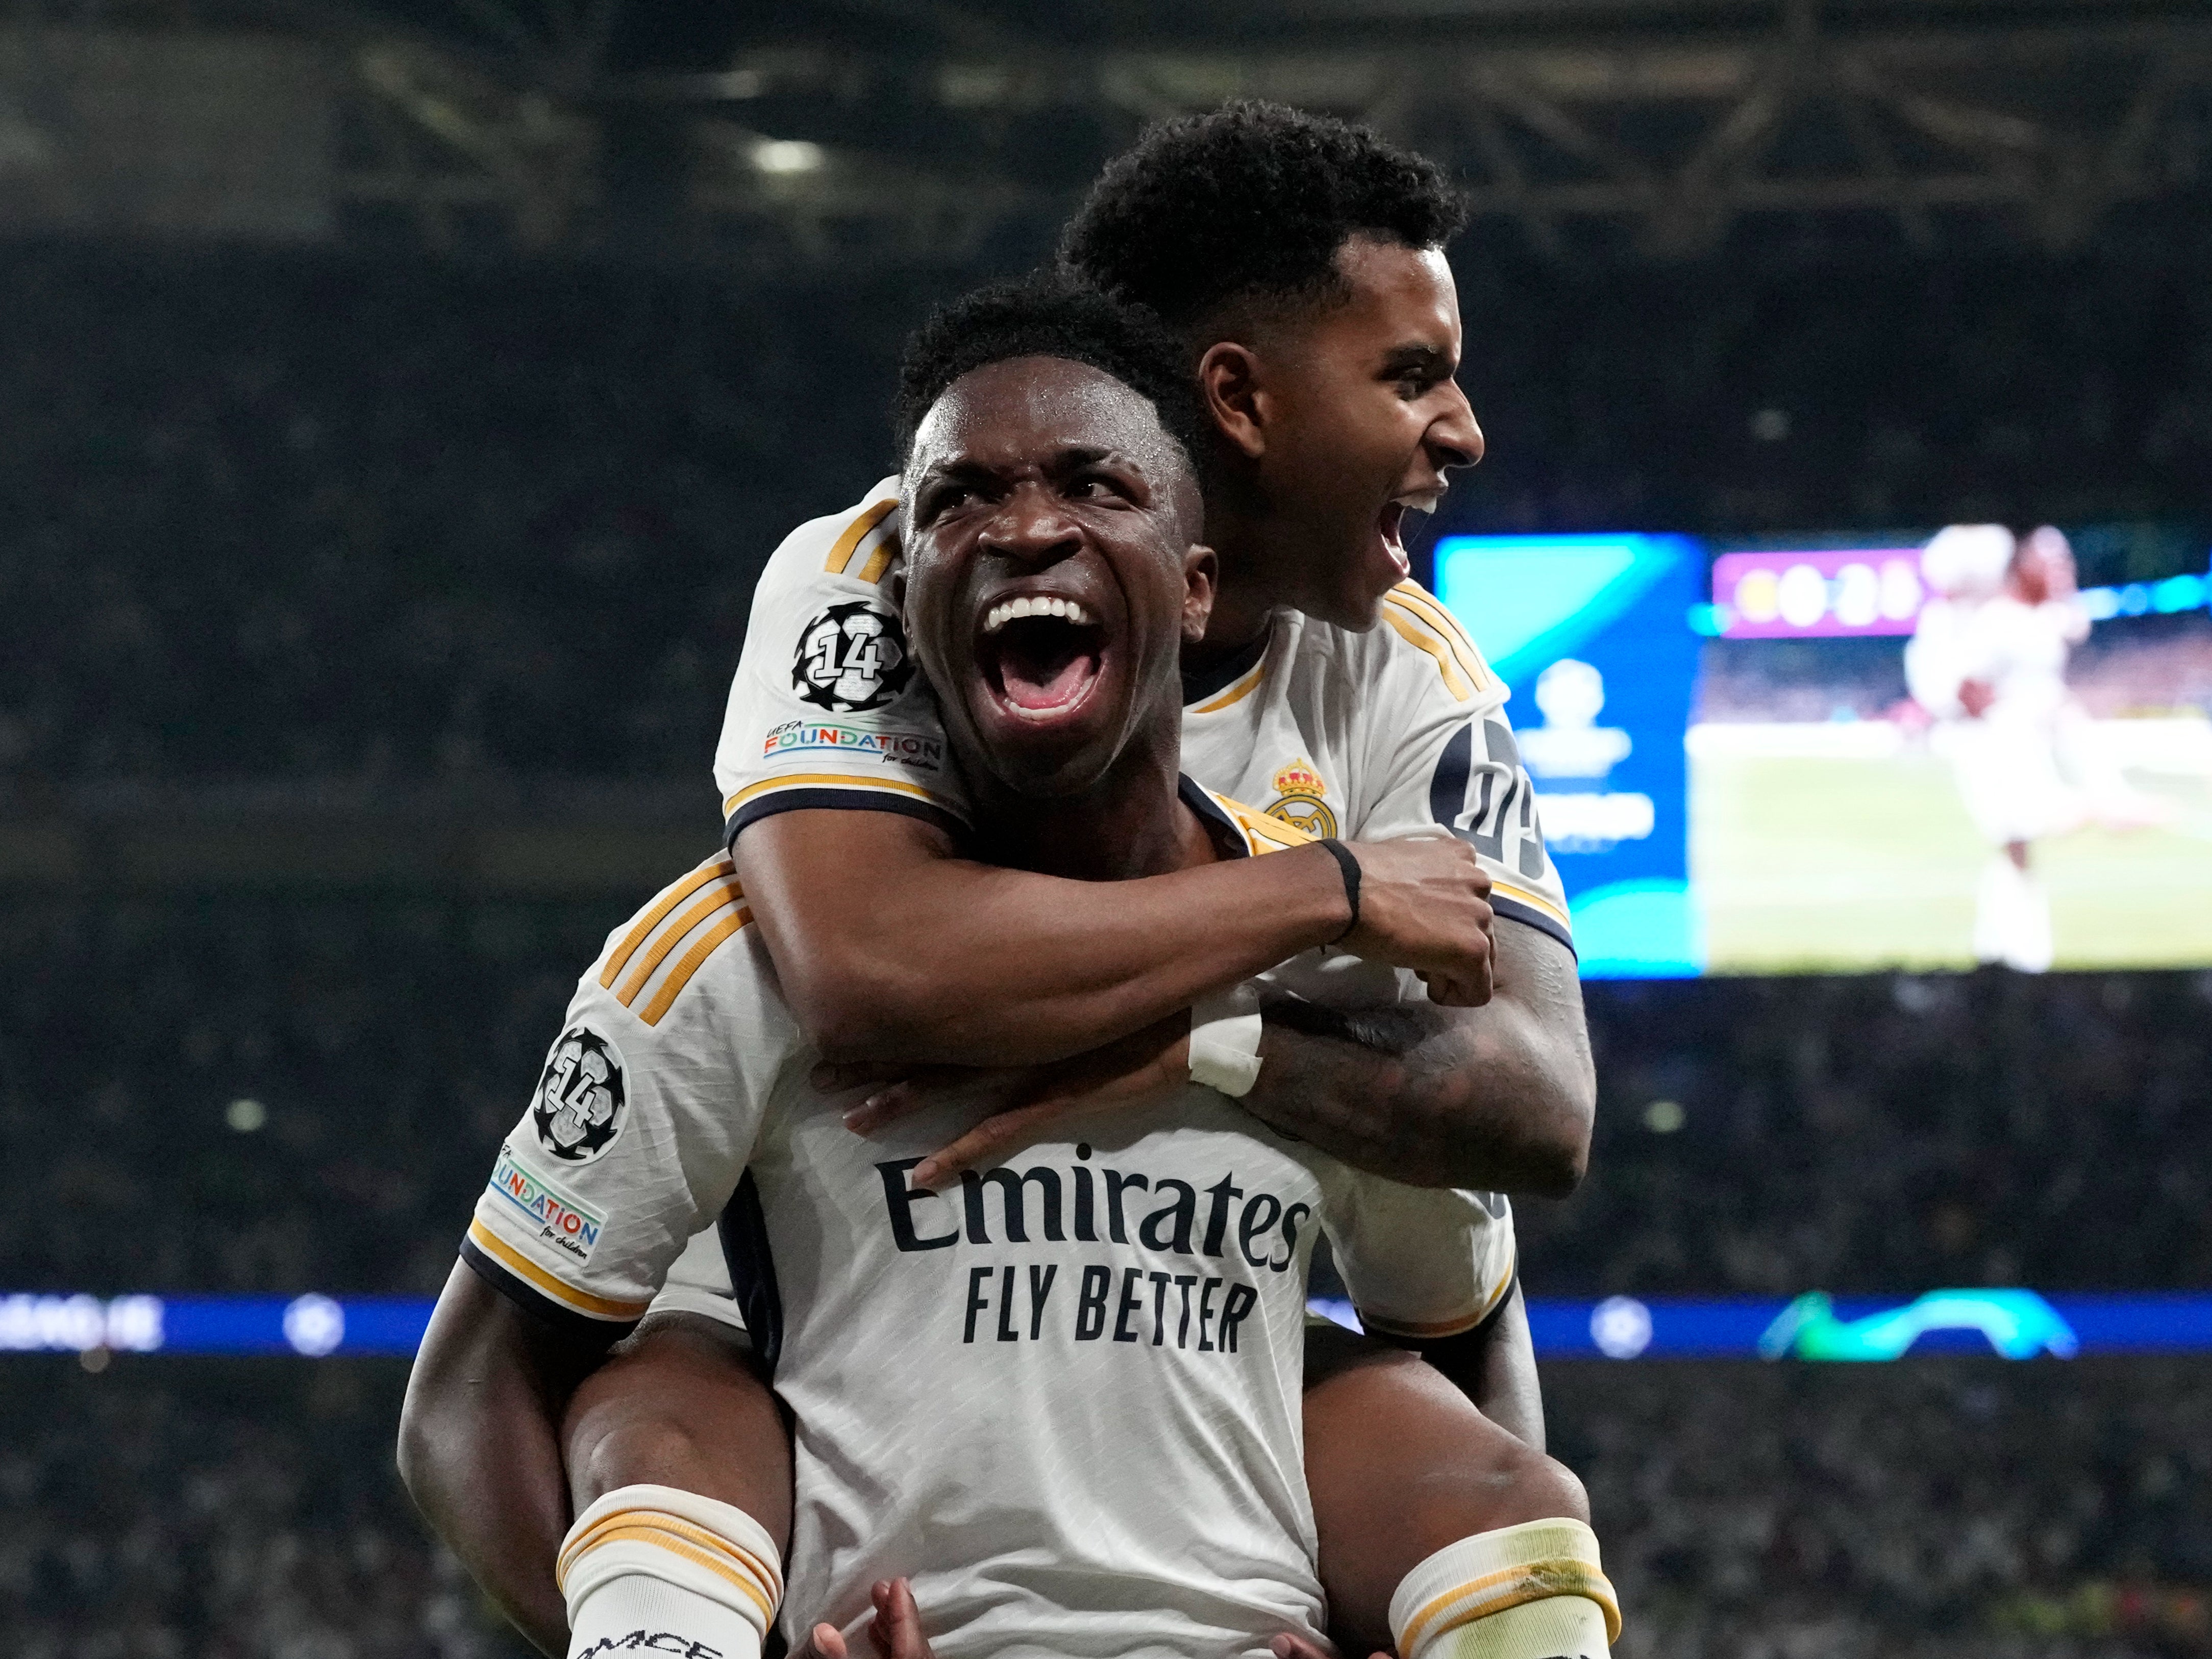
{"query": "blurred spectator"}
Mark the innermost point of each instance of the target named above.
(1936, 1508)
(1890, 1133)
(177, 1508)
(371, 517)
(1879, 1134)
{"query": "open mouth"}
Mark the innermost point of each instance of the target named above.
(1397, 521)
(1041, 656)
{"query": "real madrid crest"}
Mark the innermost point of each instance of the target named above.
(1298, 792)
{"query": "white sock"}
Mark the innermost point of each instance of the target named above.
(2030, 951)
(679, 1573)
(1997, 898)
(1534, 1591)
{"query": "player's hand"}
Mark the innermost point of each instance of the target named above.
(1975, 697)
(1425, 904)
(895, 1633)
(1035, 1100)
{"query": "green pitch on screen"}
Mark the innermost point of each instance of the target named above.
(1807, 865)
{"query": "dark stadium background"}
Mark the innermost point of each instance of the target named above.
(398, 400)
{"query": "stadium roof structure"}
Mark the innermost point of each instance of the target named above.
(914, 130)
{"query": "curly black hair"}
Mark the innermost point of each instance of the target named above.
(1046, 315)
(1251, 201)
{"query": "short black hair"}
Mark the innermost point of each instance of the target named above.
(1046, 315)
(1251, 201)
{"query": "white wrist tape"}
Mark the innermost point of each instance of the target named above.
(1224, 1042)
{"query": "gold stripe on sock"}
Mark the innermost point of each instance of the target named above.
(680, 1538)
(1510, 1587)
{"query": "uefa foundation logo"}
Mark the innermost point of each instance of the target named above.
(582, 1099)
(852, 658)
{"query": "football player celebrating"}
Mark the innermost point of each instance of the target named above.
(1089, 1444)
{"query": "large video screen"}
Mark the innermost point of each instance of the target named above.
(1847, 752)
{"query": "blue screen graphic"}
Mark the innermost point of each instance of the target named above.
(1591, 633)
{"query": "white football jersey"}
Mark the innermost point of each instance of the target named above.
(1396, 731)
(1062, 1397)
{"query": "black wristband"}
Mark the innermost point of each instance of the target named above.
(1350, 866)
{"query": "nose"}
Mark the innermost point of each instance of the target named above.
(1031, 526)
(1455, 437)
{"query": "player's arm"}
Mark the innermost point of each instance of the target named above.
(1494, 1365)
(1501, 1096)
(634, 1138)
(845, 811)
(480, 1444)
(1438, 1271)
(934, 958)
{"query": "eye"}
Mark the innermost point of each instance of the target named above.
(1095, 487)
(942, 499)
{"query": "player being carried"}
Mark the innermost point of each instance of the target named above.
(1089, 1444)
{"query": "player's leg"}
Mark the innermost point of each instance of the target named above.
(679, 1468)
(1441, 1535)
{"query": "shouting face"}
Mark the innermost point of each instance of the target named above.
(1051, 575)
(1356, 422)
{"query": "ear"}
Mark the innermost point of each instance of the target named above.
(1200, 573)
(1230, 379)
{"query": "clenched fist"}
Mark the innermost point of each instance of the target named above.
(1425, 904)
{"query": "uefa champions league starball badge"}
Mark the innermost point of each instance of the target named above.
(582, 1103)
(852, 658)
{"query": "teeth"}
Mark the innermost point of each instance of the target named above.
(1008, 610)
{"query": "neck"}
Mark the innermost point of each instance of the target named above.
(1245, 599)
(1130, 824)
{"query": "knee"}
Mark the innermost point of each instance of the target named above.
(1516, 1484)
(627, 1442)
(1556, 1489)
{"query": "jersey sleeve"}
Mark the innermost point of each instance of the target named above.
(828, 707)
(1438, 753)
(644, 1115)
(699, 1282)
(1421, 1262)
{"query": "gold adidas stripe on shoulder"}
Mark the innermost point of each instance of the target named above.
(1417, 634)
(848, 543)
(704, 910)
(1434, 611)
(689, 964)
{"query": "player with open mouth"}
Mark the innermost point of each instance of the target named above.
(1335, 699)
(1080, 1431)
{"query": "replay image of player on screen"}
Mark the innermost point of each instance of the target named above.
(1851, 751)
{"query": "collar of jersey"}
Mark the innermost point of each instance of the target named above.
(1227, 834)
(1197, 688)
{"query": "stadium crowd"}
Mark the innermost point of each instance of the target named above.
(330, 517)
(350, 516)
(1947, 1509)
(1771, 1136)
